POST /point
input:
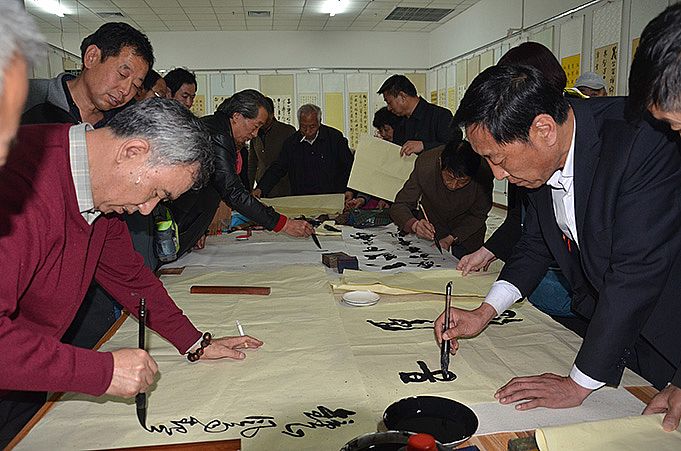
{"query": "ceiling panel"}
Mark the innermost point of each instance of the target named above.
(229, 15)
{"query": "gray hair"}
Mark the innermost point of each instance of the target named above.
(309, 109)
(247, 103)
(19, 36)
(175, 135)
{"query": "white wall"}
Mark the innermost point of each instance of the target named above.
(484, 22)
(281, 49)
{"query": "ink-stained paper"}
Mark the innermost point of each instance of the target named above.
(397, 356)
(384, 249)
(261, 249)
(325, 374)
(312, 205)
(300, 391)
(378, 169)
(623, 434)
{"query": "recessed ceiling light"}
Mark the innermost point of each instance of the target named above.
(333, 7)
(52, 6)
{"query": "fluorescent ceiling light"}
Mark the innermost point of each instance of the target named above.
(333, 7)
(52, 6)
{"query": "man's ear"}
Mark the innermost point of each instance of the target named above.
(133, 149)
(92, 56)
(544, 129)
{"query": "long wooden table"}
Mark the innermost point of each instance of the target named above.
(491, 442)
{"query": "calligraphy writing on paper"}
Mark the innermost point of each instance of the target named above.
(395, 324)
(322, 417)
(508, 316)
(426, 375)
(250, 426)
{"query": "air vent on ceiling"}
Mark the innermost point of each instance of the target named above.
(259, 14)
(111, 15)
(418, 14)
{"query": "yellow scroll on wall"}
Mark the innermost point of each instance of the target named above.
(571, 66)
(333, 114)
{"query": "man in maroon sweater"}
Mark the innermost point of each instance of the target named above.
(56, 235)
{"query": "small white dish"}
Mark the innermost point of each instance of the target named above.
(362, 298)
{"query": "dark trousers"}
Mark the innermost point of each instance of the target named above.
(193, 212)
(16, 409)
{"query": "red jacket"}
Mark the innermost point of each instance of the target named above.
(50, 256)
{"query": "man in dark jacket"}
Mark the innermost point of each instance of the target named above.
(237, 120)
(598, 183)
(424, 126)
(265, 149)
(316, 158)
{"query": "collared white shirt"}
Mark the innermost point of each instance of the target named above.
(310, 141)
(80, 171)
(503, 294)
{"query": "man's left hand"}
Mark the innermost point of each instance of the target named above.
(668, 401)
(411, 147)
(546, 390)
(230, 347)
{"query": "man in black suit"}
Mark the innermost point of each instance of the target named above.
(605, 203)
(655, 88)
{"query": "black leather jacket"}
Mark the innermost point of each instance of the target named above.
(227, 182)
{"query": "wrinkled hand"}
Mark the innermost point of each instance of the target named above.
(463, 324)
(382, 204)
(133, 372)
(446, 242)
(229, 347)
(357, 202)
(480, 259)
(668, 401)
(546, 390)
(257, 193)
(424, 229)
(298, 228)
(411, 147)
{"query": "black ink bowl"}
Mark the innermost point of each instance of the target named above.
(382, 441)
(450, 422)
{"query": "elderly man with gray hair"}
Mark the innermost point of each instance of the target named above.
(20, 45)
(236, 121)
(67, 179)
(316, 158)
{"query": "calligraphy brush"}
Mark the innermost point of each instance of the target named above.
(141, 398)
(435, 240)
(446, 345)
(316, 240)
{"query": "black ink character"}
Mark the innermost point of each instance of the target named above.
(321, 418)
(394, 324)
(508, 316)
(426, 375)
(394, 265)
